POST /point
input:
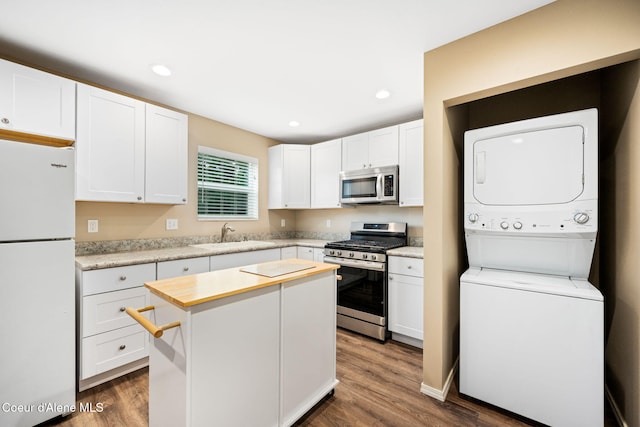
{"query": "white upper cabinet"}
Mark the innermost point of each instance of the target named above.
(110, 146)
(411, 149)
(36, 102)
(166, 156)
(326, 164)
(129, 151)
(289, 176)
(370, 149)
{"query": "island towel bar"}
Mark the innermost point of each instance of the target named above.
(154, 330)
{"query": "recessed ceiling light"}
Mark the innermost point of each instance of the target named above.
(294, 124)
(383, 94)
(161, 70)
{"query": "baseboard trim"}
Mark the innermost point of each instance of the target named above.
(437, 394)
(615, 408)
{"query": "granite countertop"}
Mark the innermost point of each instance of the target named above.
(119, 259)
(407, 251)
(187, 291)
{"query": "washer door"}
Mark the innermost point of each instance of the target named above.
(530, 168)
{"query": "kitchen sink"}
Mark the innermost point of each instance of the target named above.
(247, 244)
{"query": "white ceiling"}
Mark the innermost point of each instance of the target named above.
(254, 64)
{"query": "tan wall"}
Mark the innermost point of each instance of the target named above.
(562, 39)
(138, 221)
(620, 232)
(315, 220)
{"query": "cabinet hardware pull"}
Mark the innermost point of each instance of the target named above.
(122, 347)
(185, 269)
(154, 330)
(5, 121)
(123, 278)
(338, 277)
(123, 308)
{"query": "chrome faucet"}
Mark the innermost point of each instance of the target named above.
(225, 228)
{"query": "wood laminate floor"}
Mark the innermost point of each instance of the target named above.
(379, 386)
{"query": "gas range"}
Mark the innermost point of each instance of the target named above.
(362, 290)
(369, 241)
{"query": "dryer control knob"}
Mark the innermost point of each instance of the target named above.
(473, 217)
(517, 225)
(581, 217)
(504, 225)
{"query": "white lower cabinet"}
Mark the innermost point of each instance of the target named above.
(110, 342)
(311, 254)
(305, 252)
(406, 290)
(289, 252)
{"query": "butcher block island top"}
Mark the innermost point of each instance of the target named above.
(187, 291)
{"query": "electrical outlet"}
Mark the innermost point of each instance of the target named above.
(172, 224)
(283, 223)
(328, 223)
(92, 226)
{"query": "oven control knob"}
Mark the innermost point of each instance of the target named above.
(517, 225)
(373, 257)
(339, 253)
(504, 225)
(581, 217)
(473, 217)
(365, 256)
(350, 254)
(331, 252)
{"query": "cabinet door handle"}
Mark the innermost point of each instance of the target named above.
(123, 278)
(123, 309)
(5, 121)
(139, 197)
(185, 268)
(122, 347)
(409, 267)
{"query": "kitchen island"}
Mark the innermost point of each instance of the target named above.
(255, 345)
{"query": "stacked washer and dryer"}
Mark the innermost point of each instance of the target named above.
(531, 325)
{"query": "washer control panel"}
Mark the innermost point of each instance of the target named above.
(531, 220)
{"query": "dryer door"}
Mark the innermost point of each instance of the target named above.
(529, 168)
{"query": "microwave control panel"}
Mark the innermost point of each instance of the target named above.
(388, 185)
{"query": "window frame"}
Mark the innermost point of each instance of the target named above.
(252, 189)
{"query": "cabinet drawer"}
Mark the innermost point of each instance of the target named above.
(407, 266)
(103, 352)
(182, 267)
(105, 312)
(117, 278)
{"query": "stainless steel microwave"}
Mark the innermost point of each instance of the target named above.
(369, 186)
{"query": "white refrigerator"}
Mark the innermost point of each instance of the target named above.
(37, 297)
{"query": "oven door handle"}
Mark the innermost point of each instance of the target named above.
(365, 265)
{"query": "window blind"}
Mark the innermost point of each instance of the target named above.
(227, 185)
